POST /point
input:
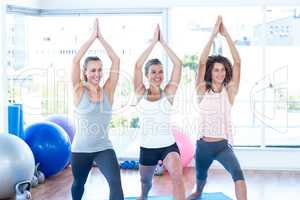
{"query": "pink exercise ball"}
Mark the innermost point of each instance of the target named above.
(186, 147)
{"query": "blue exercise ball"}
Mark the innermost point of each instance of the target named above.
(16, 164)
(65, 123)
(50, 145)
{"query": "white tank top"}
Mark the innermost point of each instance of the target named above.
(155, 122)
(215, 115)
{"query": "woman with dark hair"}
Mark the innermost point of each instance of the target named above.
(155, 105)
(93, 110)
(217, 85)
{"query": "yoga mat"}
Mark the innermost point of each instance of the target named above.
(205, 196)
(15, 120)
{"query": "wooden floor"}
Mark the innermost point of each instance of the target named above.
(262, 185)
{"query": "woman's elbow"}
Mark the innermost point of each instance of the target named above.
(116, 60)
(237, 62)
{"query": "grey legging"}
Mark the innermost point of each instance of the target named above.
(106, 162)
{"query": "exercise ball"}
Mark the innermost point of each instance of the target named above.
(50, 145)
(16, 164)
(65, 123)
(186, 147)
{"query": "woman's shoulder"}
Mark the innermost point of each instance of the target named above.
(79, 92)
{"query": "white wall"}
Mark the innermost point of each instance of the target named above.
(24, 3)
(86, 4)
(266, 159)
(249, 158)
(3, 93)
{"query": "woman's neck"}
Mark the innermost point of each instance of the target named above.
(93, 88)
(154, 90)
(216, 87)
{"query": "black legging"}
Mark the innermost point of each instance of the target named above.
(106, 162)
(207, 152)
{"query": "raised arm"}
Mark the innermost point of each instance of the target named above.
(172, 86)
(233, 85)
(111, 83)
(200, 82)
(139, 86)
(76, 60)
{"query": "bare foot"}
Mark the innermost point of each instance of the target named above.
(194, 196)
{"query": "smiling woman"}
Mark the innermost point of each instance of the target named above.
(42, 36)
(93, 104)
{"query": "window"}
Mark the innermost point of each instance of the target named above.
(190, 29)
(39, 61)
(266, 111)
(282, 94)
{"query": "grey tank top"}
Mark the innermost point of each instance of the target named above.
(91, 122)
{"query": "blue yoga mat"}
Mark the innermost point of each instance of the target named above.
(205, 196)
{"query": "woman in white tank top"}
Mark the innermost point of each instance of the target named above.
(157, 141)
(217, 85)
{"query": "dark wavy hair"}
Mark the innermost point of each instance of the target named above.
(209, 67)
(86, 62)
(151, 62)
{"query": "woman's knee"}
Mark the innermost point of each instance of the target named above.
(176, 174)
(237, 175)
(173, 165)
(78, 182)
(77, 189)
(201, 174)
(115, 181)
(146, 180)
